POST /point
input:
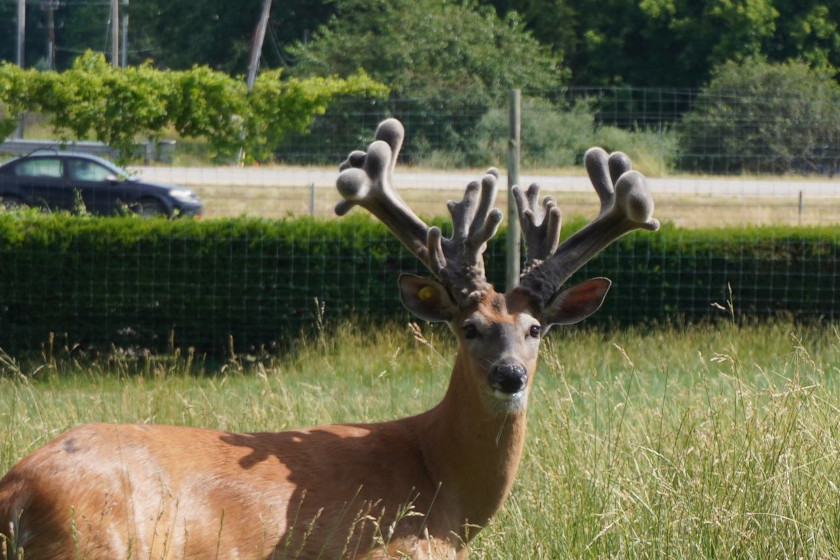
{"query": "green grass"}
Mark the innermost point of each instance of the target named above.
(713, 442)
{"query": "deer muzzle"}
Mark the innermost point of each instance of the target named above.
(508, 379)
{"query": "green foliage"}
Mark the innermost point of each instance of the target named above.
(557, 137)
(807, 30)
(282, 107)
(118, 107)
(141, 283)
(437, 56)
(763, 117)
(93, 97)
(219, 33)
(656, 43)
(15, 88)
(551, 137)
(644, 43)
(426, 48)
(208, 104)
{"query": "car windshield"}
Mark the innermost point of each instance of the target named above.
(119, 172)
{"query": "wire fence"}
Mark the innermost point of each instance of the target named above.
(260, 290)
(706, 167)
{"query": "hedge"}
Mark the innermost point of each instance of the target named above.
(152, 284)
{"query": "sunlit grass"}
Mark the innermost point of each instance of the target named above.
(684, 210)
(709, 442)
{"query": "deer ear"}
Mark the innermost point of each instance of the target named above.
(426, 298)
(575, 304)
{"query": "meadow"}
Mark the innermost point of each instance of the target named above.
(684, 210)
(708, 441)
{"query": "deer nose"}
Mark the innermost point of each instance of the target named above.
(508, 378)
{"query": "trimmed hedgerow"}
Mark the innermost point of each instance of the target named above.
(155, 284)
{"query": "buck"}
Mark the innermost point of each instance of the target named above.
(419, 487)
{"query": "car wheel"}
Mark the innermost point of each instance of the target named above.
(11, 202)
(151, 207)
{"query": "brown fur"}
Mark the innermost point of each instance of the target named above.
(419, 487)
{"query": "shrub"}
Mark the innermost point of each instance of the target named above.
(119, 107)
(553, 137)
(130, 282)
(758, 117)
(15, 91)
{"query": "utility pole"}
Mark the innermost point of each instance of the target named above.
(115, 33)
(124, 36)
(21, 33)
(21, 30)
(256, 47)
(254, 61)
(50, 6)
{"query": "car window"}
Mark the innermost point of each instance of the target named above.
(82, 170)
(39, 167)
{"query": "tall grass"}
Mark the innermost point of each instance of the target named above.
(710, 442)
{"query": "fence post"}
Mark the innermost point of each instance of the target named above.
(514, 235)
(312, 199)
(801, 206)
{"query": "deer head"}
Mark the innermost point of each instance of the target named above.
(498, 333)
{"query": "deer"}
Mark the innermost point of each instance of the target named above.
(419, 487)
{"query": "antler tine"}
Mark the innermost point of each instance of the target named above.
(626, 205)
(459, 261)
(540, 226)
(366, 180)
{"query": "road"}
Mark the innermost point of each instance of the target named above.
(455, 180)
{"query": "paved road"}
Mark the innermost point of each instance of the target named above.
(320, 177)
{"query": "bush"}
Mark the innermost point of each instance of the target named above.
(757, 117)
(553, 137)
(120, 107)
(15, 88)
(151, 284)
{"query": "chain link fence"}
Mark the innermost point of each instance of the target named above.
(730, 167)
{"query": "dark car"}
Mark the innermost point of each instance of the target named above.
(71, 181)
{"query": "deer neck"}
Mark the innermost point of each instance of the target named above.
(471, 451)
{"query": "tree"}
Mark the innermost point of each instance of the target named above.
(666, 42)
(218, 33)
(554, 23)
(119, 107)
(808, 30)
(15, 95)
(174, 34)
(437, 56)
(425, 47)
(756, 116)
(677, 42)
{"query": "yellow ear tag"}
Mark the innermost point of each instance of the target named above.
(426, 293)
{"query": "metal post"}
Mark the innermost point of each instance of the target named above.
(124, 36)
(256, 47)
(21, 34)
(254, 60)
(312, 199)
(50, 6)
(801, 206)
(514, 149)
(21, 31)
(115, 33)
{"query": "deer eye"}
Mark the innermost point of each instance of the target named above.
(470, 331)
(535, 331)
